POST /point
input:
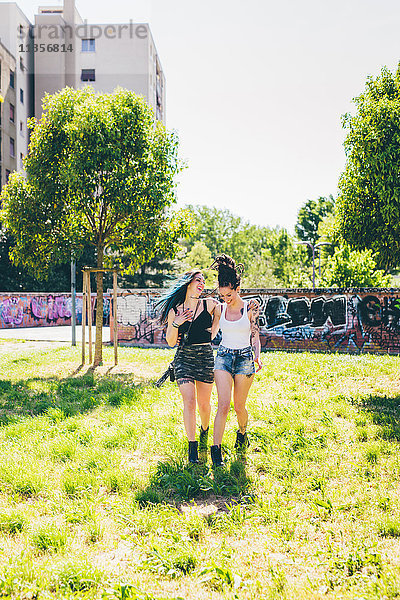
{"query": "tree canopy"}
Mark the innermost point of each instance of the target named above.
(269, 255)
(100, 171)
(310, 216)
(353, 268)
(57, 279)
(368, 207)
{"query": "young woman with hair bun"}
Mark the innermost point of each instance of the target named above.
(234, 365)
(192, 322)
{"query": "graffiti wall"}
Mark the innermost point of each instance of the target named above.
(43, 310)
(352, 320)
(137, 319)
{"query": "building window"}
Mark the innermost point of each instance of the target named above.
(88, 45)
(12, 79)
(88, 75)
(8, 173)
(21, 128)
(21, 64)
(21, 160)
(21, 95)
(12, 147)
(12, 113)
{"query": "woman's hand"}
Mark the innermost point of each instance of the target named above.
(183, 316)
(259, 364)
(175, 320)
(253, 307)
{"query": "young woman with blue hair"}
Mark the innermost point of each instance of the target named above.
(192, 322)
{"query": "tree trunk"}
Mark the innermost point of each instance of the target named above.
(98, 352)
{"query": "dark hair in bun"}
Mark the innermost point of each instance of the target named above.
(229, 272)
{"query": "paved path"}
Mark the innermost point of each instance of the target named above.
(62, 333)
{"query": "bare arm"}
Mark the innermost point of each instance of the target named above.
(254, 306)
(178, 319)
(215, 310)
(255, 336)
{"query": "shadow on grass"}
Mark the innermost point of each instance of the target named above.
(63, 398)
(175, 482)
(385, 413)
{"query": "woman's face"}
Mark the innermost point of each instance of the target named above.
(197, 285)
(228, 294)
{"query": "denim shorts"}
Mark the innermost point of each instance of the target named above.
(236, 362)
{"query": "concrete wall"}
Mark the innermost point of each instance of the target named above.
(43, 310)
(340, 320)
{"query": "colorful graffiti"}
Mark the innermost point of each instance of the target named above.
(44, 310)
(351, 321)
(137, 320)
(51, 308)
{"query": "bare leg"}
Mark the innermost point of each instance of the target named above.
(240, 392)
(203, 402)
(224, 382)
(188, 391)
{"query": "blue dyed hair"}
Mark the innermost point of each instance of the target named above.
(175, 295)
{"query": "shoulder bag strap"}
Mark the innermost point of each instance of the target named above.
(190, 326)
(182, 345)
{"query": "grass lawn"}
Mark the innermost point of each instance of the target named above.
(97, 501)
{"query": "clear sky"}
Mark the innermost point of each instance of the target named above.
(256, 90)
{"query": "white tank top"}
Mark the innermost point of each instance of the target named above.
(235, 334)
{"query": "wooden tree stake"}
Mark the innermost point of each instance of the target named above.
(83, 317)
(90, 319)
(115, 317)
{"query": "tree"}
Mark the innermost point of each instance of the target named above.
(270, 256)
(259, 272)
(353, 268)
(57, 279)
(288, 260)
(100, 171)
(152, 274)
(310, 216)
(368, 207)
(223, 232)
(200, 257)
(214, 227)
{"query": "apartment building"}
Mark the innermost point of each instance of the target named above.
(61, 49)
(8, 130)
(16, 83)
(104, 56)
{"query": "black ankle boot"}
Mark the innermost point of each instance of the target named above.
(193, 453)
(242, 441)
(203, 439)
(216, 456)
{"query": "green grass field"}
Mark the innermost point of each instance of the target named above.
(97, 501)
